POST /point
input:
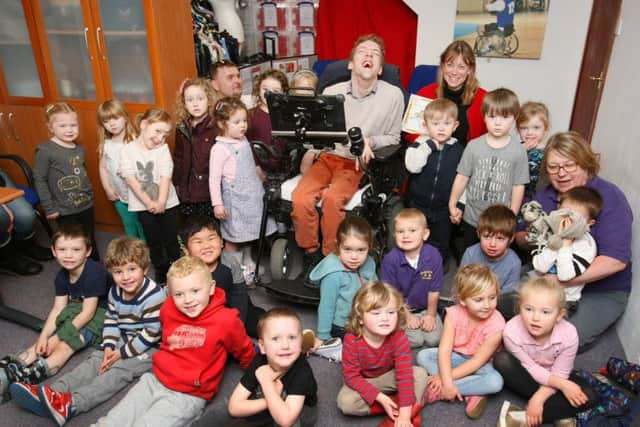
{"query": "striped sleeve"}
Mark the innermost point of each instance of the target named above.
(111, 332)
(403, 368)
(352, 371)
(145, 321)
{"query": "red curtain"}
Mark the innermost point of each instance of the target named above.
(341, 22)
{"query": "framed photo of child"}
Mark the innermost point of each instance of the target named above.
(503, 28)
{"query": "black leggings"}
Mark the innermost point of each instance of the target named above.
(87, 222)
(161, 232)
(518, 380)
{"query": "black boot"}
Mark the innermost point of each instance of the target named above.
(310, 260)
(12, 261)
(30, 249)
(35, 373)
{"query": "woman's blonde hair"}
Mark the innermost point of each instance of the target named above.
(374, 295)
(472, 280)
(545, 285)
(471, 85)
(113, 109)
(181, 109)
(572, 146)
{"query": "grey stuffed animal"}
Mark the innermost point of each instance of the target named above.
(538, 230)
(576, 230)
(145, 172)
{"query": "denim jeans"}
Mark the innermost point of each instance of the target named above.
(485, 380)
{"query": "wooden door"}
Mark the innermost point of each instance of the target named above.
(595, 62)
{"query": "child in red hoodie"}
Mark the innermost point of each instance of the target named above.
(198, 332)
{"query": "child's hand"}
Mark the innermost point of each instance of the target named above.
(428, 323)
(455, 215)
(403, 421)
(450, 392)
(390, 407)
(110, 357)
(151, 206)
(112, 194)
(160, 208)
(534, 412)
(435, 384)
(53, 215)
(574, 394)
(220, 212)
(42, 345)
(413, 321)
(264, 373)
(317, 343)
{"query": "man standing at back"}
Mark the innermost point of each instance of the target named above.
(225, 79)
(376, 108)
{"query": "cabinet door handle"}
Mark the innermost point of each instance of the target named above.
(13, 128)
(3, 134)
(98, 38)
(86, 43)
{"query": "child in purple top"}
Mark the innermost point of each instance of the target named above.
(415, 268)
(541, 348)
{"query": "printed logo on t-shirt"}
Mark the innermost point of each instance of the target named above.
(187, 336)
(426, 274)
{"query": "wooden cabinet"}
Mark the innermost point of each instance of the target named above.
(84, 52)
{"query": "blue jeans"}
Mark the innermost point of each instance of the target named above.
(23, 216)
(485, 380)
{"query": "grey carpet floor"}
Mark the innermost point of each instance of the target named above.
(35, 295)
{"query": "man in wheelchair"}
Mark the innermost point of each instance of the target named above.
(376, 108)
(505, 11)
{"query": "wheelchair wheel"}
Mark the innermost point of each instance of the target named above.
(511, 44)
(283, 257)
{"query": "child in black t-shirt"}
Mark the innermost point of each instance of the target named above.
(279, 387)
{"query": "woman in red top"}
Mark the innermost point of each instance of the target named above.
(457, 82)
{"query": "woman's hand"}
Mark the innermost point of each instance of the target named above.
(428, 323)
(574, 394)
(390, 407)
(220, 212)
(413, 321)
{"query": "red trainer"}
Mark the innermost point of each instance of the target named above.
(59, 404)
(26, 396)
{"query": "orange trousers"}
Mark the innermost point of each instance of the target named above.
(335, 180)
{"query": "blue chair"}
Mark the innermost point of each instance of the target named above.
(422, 76)
(30, 193)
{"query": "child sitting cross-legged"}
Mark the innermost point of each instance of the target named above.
(76, 318)
(415, 268)
(198, 333)
(130, 336)
(279, 387)
(461, 365)
(379, 377)
(537, 365)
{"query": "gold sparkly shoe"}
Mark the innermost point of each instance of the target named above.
(512, 416)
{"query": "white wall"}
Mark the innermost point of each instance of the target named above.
(552, 79)
(617, 137)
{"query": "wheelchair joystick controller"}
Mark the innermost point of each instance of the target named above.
(357, 141)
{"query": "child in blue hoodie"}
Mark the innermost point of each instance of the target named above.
(341, 274)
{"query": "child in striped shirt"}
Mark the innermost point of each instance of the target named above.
(131, 334)
(376, 360)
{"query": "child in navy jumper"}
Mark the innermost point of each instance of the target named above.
(415, 268)
(432, 161)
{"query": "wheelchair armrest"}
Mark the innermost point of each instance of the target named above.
(264, 152)
(387, 152)
(22, 163)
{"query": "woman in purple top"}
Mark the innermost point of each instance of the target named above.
(569, 162)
